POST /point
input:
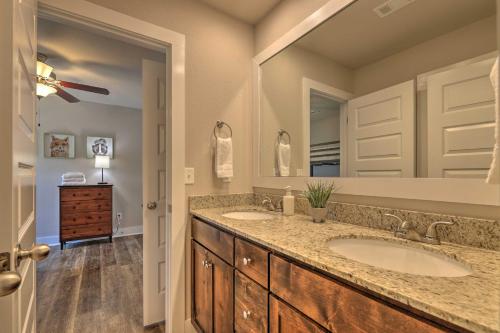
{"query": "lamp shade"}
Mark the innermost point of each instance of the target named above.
(102, 162)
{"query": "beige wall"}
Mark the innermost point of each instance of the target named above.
(286, 15)
(218, 82)
(468, 42)
(281, 100)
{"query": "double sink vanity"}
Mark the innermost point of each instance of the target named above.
(259, 271)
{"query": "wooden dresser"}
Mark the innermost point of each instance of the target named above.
(85, 211)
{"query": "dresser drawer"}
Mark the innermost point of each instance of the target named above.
(92, 230)
(79, 194)
(217, 241)
(85, 218)
(336, 306)
(252, 260)
(250, 307)
(71, 207)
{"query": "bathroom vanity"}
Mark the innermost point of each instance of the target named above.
(278, 275)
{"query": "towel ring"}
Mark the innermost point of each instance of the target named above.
(219, 124)
(282, 132)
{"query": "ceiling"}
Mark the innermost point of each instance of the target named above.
(90, 58)
(357, 36)
(250, 11)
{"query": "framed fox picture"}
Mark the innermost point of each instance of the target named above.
(59, 145)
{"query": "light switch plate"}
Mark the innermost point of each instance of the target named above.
(188, 176)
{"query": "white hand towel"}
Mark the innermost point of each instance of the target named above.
(224, 159)
(284, 154)
(494, 173)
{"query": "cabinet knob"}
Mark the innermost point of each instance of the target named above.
(246, 314)
(247, 261)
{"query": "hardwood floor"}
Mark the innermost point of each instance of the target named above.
(93, 287)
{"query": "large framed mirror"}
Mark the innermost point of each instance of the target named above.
(372, 90)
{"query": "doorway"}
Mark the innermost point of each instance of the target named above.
(120, 115)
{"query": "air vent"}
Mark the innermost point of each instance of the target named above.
(391, 6)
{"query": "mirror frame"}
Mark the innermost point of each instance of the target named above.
(467, 191)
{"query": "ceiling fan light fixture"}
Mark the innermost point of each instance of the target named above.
(43, 70)
(44, 90)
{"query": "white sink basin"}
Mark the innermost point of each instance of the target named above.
(398, 257)
(248, 216)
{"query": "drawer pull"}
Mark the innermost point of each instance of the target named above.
(246, 314)
(247, 261)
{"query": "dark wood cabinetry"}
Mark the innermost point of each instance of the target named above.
(278, 295)
(85, 212)
(284, 319)
(212, 279)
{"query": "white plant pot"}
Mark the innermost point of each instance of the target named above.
(318, 214)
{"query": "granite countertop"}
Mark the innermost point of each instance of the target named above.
(471, 302)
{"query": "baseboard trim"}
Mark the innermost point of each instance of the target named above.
(127, 231)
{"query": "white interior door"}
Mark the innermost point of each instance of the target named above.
(381, 133)
(155, 173)
(461, 121)
(17, 164)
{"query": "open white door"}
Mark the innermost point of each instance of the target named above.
(461, 121)
(155, 173)
(381, 133)
(17, 167)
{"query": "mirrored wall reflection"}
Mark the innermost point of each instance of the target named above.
(407, 93)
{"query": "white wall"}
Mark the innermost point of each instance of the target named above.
(87, 119)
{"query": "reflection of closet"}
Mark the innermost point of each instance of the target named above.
(461, 119)
(381, 133)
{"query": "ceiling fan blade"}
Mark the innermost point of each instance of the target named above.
(79, 86)
(66, 96)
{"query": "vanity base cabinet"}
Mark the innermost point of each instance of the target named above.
(338, 307)
(284, 319)
(212, 280)
(277, 295)
(250, 305)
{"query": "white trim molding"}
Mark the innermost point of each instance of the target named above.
(85, 13)
(466, 191)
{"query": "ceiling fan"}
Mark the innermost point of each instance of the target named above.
(47, 84)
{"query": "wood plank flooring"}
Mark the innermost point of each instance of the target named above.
(93, 286)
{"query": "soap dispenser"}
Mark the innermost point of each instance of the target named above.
(288, 202)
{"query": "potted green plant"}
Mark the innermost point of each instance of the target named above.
(317, 194)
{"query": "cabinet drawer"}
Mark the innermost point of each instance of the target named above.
(85, 218)
(336, 306)
(93, 230)
(252, 260)
(217, 241)
(78, 194)
(250, 308)
(284, 319)
(85, 206)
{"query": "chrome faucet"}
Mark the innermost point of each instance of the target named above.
(407, 231)
(268, 203)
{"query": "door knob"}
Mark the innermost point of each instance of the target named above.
(151, 205)
(37, 253)
(9, 282)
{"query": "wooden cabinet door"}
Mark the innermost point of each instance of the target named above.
(202, 280)
(223, 295)
(213, 298)
(284, 319)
